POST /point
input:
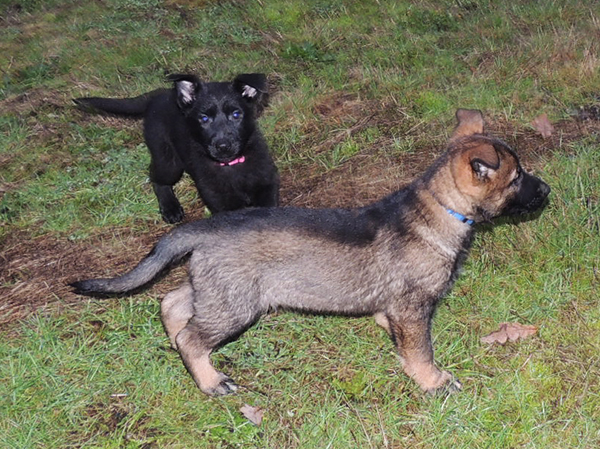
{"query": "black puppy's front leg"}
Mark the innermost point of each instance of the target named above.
(267, 195)
(166, 169)
(219, 197)
(169, 205)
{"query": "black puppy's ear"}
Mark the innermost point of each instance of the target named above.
(187, 87)
(253, 88)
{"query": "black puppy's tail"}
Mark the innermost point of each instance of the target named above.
(127, 107)
(170, 248)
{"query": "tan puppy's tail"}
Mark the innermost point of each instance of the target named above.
(169, 249)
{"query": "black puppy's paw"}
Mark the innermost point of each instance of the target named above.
(172, 215)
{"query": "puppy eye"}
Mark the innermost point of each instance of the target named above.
(517, 178)
(236, 114)
(204, 118)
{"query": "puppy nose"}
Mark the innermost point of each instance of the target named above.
(222, 145)
(544, 189)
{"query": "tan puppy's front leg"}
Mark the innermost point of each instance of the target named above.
(413, 341)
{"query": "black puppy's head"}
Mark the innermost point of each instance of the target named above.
(222, 115)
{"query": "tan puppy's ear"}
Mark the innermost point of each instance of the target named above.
(484, 161)
(475, 167)
(469, 122)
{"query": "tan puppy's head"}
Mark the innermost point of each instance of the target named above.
(487, 172)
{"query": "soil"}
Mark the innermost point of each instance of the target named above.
(34, 272)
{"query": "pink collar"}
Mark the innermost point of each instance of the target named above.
(239, 160)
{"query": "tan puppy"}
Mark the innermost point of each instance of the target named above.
(394, 259)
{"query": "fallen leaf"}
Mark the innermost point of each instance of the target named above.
(509, 332)
(253, 414)
(543, 126)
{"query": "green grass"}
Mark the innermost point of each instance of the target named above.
(100, 374)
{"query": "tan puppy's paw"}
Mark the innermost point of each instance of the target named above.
(449, 385)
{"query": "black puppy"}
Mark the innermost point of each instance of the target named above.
(208, 130)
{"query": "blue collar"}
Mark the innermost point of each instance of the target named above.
(461, 217)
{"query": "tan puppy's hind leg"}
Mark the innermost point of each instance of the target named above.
(196, 357)
(176, 309)
(382, 321)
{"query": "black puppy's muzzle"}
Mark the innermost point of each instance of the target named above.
(224, 150)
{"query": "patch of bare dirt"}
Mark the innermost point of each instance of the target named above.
(44, 101)
(373, 172)
(33, 100)
(34, 272)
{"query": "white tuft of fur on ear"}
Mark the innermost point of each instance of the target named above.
(186, 89)
(481, 170)
(249, 91)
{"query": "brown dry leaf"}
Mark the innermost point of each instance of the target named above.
(509, 332)
(253, 414)
(543, 126)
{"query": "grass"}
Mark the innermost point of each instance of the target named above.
(99, 374)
